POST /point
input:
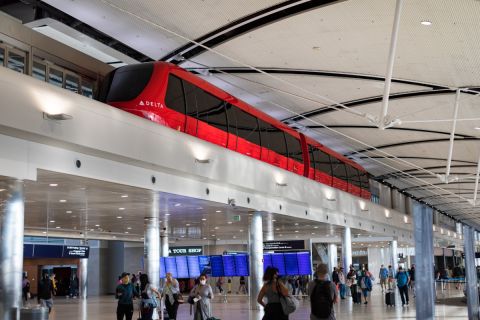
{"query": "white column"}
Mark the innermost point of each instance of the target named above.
(269, 233)
(394, 255)
(152, 246)
(11, 250)
(347, 249)
(83, 275)
(332, 257)
(255, 246)
(470, 273)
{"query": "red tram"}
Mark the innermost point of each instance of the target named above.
(173, 97)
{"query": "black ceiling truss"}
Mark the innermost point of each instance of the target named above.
(436, 184)
(244, 25)
(413, 158)
(414, 170)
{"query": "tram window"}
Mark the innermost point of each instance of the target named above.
(338, 169)
(294, 148)
(353, 176)
(2, 56)
(175, 98)
(72, 82)
(55, 77)
(247, 126)
(16, 62)
(322, 161)
(87, 89)
(128, 82)
(190, 98)
(231, 118)
(211, 110)
(39, 71)
(364, 180)
(273, 138)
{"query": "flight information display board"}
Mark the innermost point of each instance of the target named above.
(204, 262)
(267, 261)
(291, 263)
(241, 265)
(193, 266)
(216, 263)
(229, 265)
(278, 261)
(182, 267)
(304, 263)
(163, 271)
(171, 266)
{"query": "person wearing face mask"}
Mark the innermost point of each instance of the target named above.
(125, 293)
(202, 293)
(171, 291)
(272, 289)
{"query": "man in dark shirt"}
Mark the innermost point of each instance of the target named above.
(318, 296)
(45, 290)
(125, 293)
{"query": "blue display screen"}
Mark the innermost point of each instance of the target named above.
(216, 263)
(28, 251)
(241, 265)
(46, 251)
(163, 271)
(204, 262)
(182, 267)
(279, 263)
(193, 266)
(267, 261)
(171, 266)
(229, 265)
(304, 264)
(291, 263)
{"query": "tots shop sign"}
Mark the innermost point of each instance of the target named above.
(186, 251)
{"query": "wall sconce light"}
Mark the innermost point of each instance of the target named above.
(441, 230)
(387, 214)
(202, 160)
(406, 220)
(363, 206)
(57, 116)
(330, 195)
(434, 228)
(283, 184)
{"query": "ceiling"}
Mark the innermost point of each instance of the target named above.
(320, 66)
(61, 205)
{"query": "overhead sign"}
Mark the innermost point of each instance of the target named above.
(283, 245)
(186, 251)
(55, 251)
(76, 252)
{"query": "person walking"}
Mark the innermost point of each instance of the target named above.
(45, 292)
(171, 292)
(25, 289)
(219, 284)
(341, 283)
(242, 287)
(411, 273)
(323, 294)
(402, 283)
(150, 297)
(352, 283)
(391, 276)
(202, 294)
(335, 276)
(125, 293)
(365, 283)
(272, 290)
(383, 276)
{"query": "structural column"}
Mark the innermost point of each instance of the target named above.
(83, 275)
(269, 233)
(152, 246)
(11, 251)
(424, 285)
(332, 257)
(347, 249)
(470, 272)
(394, 253)
(255, 248)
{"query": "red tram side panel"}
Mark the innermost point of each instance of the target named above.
(222, 121)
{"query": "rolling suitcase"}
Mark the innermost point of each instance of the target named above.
(390, 298)
(357, 295)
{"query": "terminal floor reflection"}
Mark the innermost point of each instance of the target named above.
(449, 306)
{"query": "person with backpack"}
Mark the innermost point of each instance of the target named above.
(383, 276)
(150, 298)
(323, 294)
(365, 283)
(45, 292)
(273, 289)
(125, 293)
(402, 283)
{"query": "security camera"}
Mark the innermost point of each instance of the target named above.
(164, 228)
(231, 202)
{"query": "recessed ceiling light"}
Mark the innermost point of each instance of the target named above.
(63, 200)
(52, 221)
(142, 238)
(477, 128)
(44, 232)
(216, 228)
(129, 228)
(278, 229)
(281, 235)
(1, 190)
(229, 222)
(97, 225)
(426, 23)
(74, 216)
(204, 219)
(234, 237)
(315, 227)
(119, 217)
(167, 214)
(69, 211)
(296, 230)
(274, 220)
(177, 204)
(213, 235)
(188, 224)
(241, 230)
(199, 208)
(121, 209)
(53, 184)
(204, 238)
(218, 211)
(296, 223)
(182, 236)
(126, 232)
(218, 239)
(313, 232)
(57, 227)
(124, 195)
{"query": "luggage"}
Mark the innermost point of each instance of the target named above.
(34, 313)
(390, 298)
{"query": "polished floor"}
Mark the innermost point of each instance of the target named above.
(450, 305)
